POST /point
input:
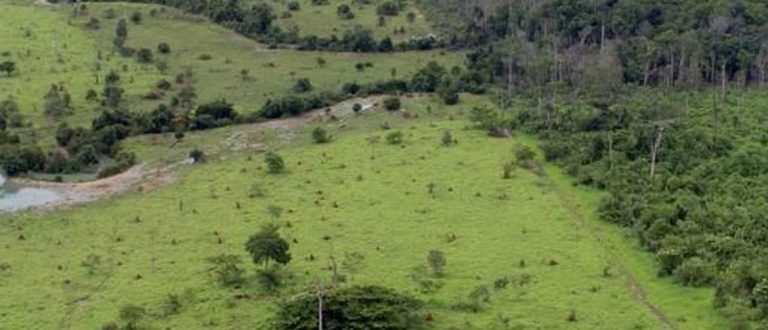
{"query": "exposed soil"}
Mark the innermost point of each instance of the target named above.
(142, 178)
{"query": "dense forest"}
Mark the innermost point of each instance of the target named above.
(685, 161)
(660, 43)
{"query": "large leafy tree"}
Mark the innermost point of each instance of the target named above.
(358, 307)
(267, 245)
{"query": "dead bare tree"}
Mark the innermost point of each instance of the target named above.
(655, 145)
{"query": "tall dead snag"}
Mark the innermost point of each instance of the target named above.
(659, 132)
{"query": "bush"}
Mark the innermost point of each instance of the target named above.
(695, 272)
(451, 97)
(392, 103)
(144, 55)
(294, 6)
(302, 86)
(357, 307)
(344, 12)
(436, 261)
(197, 155)
(163, 48)
(395, 138)
(523, 154)
(388, 8)
(226, 269)
(321, 135)
(275, 163)
(357, 107)
(136, 17)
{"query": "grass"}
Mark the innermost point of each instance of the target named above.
(324, 21)
(60, 49)
(349, 197)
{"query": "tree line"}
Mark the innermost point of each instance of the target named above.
(660, 43)
(258, 22)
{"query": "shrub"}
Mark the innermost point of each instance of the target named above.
(388, 8)
(451, 97)
(132, 315)
(436, 261)
(136, 17)
(93, 24)
(226, 269)
(392, 103)
(197, 155)
(275, 163)
(523, 154)
(357, 107)
(344, 12)
(302, 86)
(321, 135)
(144, 55)
(447, 139)
(163, 48)
(294, 6)
(395, 138)
(695, 272)
(357, 307)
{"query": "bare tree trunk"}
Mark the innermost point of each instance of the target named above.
(610, 149)
(602, 37)
(724, 82)
(655, 150)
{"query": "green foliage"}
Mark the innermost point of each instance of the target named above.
(447, 140)
(267, 245)
(197, 155)
(9, 67)
(163, 48)
(395, 137)
(144, 55)
(132, 315)
(392, 103)
(486, 118)
(214, 114)
(388, 8)
(357, 307)
(274, 162)
(321, 135)
(344, 12)
(226, 269)
(302, 86)
(436, 261)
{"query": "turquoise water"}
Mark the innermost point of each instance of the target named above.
(20, 199)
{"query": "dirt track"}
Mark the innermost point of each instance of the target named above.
(143, 178)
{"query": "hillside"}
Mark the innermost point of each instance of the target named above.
(255, 164)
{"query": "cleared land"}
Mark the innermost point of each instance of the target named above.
(359, 199)
(54, 48)
(373, 213)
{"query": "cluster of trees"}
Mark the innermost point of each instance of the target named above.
(80, 149)
(691, 184)
(257, 22)
(432, 78)
(661, 43)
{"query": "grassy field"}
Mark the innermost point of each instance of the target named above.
(366, 203)
(50, 45)
(324, 21)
